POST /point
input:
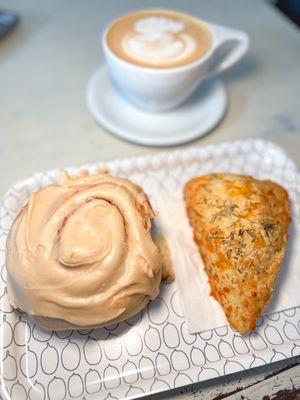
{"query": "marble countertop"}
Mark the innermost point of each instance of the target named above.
(46, 61)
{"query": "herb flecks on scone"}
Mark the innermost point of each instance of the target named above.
(241, 227)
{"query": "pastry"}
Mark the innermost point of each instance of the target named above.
(80, 253)
(241, 227)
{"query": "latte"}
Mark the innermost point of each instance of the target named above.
(159, 39)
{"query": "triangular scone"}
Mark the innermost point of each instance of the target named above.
(241, 227)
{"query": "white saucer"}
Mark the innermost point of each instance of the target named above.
(193, 119)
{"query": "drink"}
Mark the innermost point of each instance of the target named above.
(157, 58)
(159, 39)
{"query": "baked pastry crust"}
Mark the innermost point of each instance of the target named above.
(241, 227)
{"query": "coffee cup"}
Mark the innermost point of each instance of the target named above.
(157, 58)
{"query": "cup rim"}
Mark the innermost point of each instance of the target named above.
(155, 70)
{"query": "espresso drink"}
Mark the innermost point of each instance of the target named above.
(159, 39)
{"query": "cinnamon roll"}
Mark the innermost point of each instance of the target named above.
(80, 253)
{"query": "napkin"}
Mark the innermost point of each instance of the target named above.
(202, 312)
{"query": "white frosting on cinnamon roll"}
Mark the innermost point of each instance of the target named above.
(82, 251)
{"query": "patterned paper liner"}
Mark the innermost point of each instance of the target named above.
(152, 351)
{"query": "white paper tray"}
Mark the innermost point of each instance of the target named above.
(152, 351)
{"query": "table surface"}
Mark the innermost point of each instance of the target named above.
(47, 60)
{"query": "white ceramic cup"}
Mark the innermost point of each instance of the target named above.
(161, 89)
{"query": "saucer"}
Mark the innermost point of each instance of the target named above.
(194, 118)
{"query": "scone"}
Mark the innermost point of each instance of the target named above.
(80, 253)
(241, 227)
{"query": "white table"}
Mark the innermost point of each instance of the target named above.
(46, 61)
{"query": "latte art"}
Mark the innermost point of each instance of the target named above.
(159, 39)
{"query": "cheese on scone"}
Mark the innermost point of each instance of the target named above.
(241, 227)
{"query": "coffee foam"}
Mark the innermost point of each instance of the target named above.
(156, 39)
(159, 38)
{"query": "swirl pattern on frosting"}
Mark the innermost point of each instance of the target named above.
(81, 251)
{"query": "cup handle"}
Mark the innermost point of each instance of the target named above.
(226, 35)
